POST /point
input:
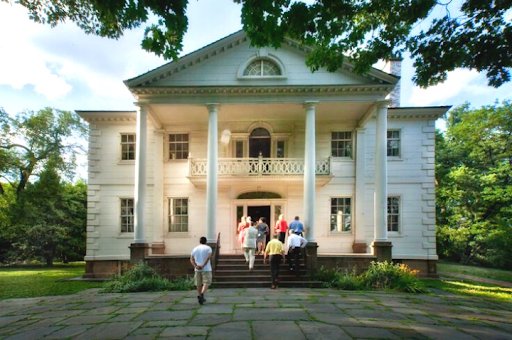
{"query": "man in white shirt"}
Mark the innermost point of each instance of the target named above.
(295, 244)
(200, 259)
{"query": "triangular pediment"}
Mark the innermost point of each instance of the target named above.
(222, 63)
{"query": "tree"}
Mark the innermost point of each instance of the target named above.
(478, 37)
(30, 139)
(474, 193)
(48, 220)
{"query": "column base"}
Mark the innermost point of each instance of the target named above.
(382, 250)
(138, 252)
(311, 256)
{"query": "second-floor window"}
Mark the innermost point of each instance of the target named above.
(127, 215)
(178, 146)
(341, 144)
(127, 146)
(393, 143)
(178, 214)
(341, 214)
(394, 213)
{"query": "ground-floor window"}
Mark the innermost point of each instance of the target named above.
(178, 214)
(341, 214)
(394, 213)
(127, 215)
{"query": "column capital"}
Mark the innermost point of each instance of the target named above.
(212, 106)
(308, 104)
(382, 103)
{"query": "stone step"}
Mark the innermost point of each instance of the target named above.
(232, 271)
(267, 284)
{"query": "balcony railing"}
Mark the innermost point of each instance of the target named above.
(258, 167)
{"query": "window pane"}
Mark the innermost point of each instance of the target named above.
(178, 215)
(393, 143)
(394, 214)
(262, 67)
(341, 214)
(280, 149)
(239, 149)
(341, 144)
(127, 215)
(128, 146)
(178, 146)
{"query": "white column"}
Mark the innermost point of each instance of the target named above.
(140, 174)
(381, 173)
(309, 171)
(211, 174)
(357, 225)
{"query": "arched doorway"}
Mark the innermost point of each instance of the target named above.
(259, 143)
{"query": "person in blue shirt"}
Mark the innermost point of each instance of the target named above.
(297, 227)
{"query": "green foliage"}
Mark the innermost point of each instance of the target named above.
(32, 139)
(473, 289)
(143, 278)
(379, 275)
(35, 281)
(474, 192)
(42, 217)
(387, 275)
(477, 37)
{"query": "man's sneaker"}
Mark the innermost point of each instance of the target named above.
(200, 299)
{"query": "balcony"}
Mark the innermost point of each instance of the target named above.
(269, 169)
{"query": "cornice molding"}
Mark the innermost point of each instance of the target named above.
(108, 116)
(263, 90)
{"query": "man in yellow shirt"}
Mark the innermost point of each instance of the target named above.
(275, 250)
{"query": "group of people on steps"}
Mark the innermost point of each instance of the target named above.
(253, 238)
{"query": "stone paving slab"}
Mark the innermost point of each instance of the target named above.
(256, 313)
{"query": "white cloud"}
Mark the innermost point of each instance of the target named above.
(458, 81)
(22, 64)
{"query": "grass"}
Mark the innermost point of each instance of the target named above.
(35, 281)
(474, 289)
(483, 272)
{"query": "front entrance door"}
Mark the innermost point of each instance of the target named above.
(259, 211)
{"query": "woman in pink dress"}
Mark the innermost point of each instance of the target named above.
(240, 230)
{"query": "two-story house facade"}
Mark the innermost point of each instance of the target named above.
(233, 130)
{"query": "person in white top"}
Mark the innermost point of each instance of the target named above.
(295, 244)
(249, 246)
(200, 259)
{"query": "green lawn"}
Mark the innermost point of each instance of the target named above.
(22, 282)
(488, 273)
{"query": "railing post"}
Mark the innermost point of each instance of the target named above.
(260, 164)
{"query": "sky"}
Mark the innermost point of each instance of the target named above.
(66, 69)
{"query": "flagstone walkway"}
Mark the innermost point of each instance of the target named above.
(253, 313)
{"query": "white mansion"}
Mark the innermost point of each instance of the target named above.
(233, 130)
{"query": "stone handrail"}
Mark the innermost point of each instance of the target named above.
(258, 167)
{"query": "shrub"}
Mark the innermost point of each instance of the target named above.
(143, 278)
(379, 275)
(388, 275)
(338, 278)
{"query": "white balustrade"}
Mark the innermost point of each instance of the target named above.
(258, 167)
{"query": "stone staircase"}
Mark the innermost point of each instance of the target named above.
(232, 272)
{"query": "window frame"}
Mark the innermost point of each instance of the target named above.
(261, 56)
(350, 143)
(350, 215)
(179, 154)
(398, 141)
(122, 206)
(398, 215)
(128, 143)
(171, 205)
